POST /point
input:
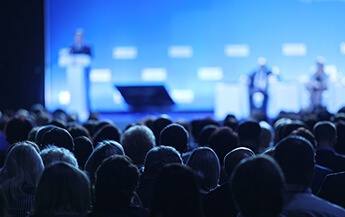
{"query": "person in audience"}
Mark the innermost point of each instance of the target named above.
(19, 177)
(326, 136)
(199, 124)
(52, 154)
(40, 133)
(222, 141)
(59, 137)
(258, 187)
(17, 130)
(104, 150)
(296, 157)
(320, 171)
(205, 164)
(174, 135)
(77, 130)
(333, 189)
(266, 136)
(205, 133)
(249, 133)
(82, 150)
(155, 160)
(116, 180)
(63, 190)
(231, 121)
(158, 124)
(137, 141)
(219, 202)
(107, 132)
(176, 193)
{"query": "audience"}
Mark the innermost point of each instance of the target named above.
(130, 176)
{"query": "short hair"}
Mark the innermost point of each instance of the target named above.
(158, 157)
(137, 141)
(158, 125)
(222, 141)
(23, 164)
(82, 149)
(205, 164)
(116, 180)
(176, 193)
(234, 157)
(17, 130)
(325, 131)
(205, 133)
(62, 188)
(40, 133)
(295, 155)
(59, 137)
(307, 134)
(107, 132)
(175, 135)
(258, 185)
(104, 150)
(77, 130)
(52, 154)
(249, 133)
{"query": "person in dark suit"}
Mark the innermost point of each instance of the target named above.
(79, 47)
(326, 136)
(258, 89)
(333, 189)
(296, 157)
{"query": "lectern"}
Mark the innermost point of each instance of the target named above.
(77, 67)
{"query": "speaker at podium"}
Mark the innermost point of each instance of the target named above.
(146, 97)
(77, 72)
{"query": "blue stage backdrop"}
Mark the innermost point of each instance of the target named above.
(189, 46)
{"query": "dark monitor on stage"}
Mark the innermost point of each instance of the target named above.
(145, 96)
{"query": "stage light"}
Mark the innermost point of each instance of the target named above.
(64, 98)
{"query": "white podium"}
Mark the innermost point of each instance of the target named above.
(76, 79)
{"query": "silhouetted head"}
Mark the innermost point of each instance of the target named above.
(258, 185)
(116, 179)
(176, 193)
(234, 157)
(70, 187)
(158, 157)
(206, 167)
(222, 141)
(296, 157)
(175, 135)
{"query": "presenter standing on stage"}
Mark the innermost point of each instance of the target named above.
(77, 63)
(258, 89)
(317, 84)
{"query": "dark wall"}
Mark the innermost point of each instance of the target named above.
(21, 53)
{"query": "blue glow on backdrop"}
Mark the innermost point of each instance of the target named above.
(189, 46)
